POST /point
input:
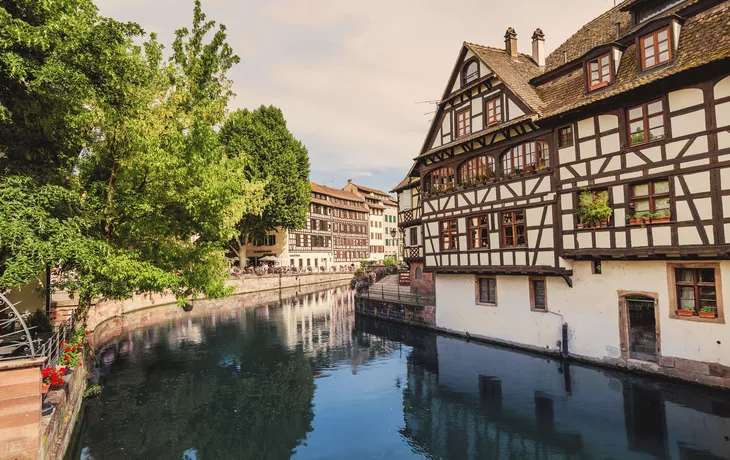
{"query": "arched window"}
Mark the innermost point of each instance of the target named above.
(476, 170)
(419, 273)
(530, 156)
(440, 180)
(470, 72)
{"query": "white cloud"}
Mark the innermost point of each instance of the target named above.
(348, 75)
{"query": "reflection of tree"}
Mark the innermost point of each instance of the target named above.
(254, 401)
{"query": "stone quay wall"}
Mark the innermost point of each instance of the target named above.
(401, 312)
(107, 309)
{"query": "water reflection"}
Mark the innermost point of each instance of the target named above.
(304, 378)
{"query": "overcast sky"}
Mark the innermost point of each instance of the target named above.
(350, 75)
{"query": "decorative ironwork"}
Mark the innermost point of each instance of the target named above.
(413, 253)
(15, 339)
(409, 217)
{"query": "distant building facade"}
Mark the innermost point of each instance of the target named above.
(335, 235)
(383, 221)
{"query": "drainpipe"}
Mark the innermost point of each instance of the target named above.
(563, 343)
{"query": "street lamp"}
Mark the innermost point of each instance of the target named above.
(393, 233)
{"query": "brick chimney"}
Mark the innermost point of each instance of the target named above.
(510, 41)
(538, 47)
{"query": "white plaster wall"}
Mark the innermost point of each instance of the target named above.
(590, 308)
(512, 320)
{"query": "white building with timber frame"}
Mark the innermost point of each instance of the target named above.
(579, 202)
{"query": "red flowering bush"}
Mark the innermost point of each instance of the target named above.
(54, 377)
(73, 350)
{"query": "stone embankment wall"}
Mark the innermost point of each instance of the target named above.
(107, 309)
(401, 312)
(57, 428)
(116, 327)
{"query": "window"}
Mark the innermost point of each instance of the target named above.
(449, 235)
(414, 236)
(470, 72)
(528, 156)
(646, 122)
(596, 267)
(565, 136)
(486, 291)
(696, 291)
(513, 229)
(463, 122)
(494, 111)
(270, 240)
(650, 200)
(476, 170)
(599, 72)
(655, 48)
(440, 180)
(478, 232)
(538, 295)
(419, 273)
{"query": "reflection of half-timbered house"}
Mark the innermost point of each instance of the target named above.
(589, 187)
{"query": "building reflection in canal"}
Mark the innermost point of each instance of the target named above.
(235, 382)
(467, 400)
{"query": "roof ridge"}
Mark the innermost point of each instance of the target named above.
(600, 16)
(501, 50)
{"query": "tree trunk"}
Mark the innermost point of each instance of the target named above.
(241, 253)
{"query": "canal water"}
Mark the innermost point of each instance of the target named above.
(304, 378)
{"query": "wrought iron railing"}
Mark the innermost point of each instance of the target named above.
(18, 340)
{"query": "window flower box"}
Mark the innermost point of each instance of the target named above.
(708, 314)
(685, 313)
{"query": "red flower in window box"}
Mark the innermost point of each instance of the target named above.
(685, 312)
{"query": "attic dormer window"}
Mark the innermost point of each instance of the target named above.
(470, 72)
(655, 48)
(599, 72)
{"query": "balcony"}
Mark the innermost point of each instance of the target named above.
(413, 254)
(409, 217)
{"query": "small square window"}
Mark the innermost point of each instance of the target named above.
(486, 291)
(598, 72)
(565, 136)
(655, 48)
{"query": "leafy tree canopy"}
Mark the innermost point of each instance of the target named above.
(111, 164)
(271, 154)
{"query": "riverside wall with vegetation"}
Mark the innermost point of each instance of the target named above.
(107, 309)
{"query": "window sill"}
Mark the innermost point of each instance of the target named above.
(588, 229)
(643, 143)
(640, 223)
(486, 304)
(700, 319)
(539, 310)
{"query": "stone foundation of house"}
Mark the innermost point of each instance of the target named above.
(401, 312)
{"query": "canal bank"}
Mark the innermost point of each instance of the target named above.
(409, 311)
(294, 378)
(106, 309)
(55, 429)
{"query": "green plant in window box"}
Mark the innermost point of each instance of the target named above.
(594, 209)
(516, 171)
(708, 312)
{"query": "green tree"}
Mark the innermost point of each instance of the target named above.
(140, 195)
(273, 155)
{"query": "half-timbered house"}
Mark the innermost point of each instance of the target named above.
(580, 202)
